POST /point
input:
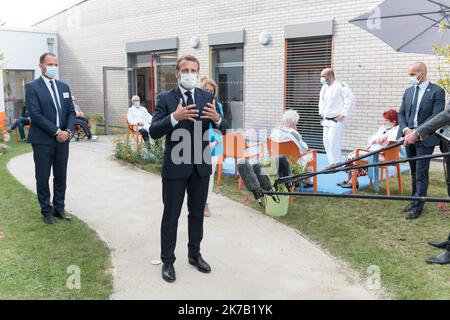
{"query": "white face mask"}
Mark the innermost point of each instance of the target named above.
(188, 80)
(388, 126)
(51, 72)
(137, 104)
(414, 80)
(323, 81)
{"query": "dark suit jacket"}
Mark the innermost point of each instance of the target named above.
(433, 103)
(430, 127)
(42, 111)
(166, 104)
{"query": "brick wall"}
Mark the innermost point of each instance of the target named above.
(93, 35)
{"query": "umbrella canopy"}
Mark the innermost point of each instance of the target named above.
(408, 26)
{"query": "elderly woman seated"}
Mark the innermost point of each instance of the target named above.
(288, 132)
(386, 134)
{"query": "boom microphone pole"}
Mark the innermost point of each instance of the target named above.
(360, 196)
(364, 166)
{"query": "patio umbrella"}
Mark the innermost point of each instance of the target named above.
(408, 26)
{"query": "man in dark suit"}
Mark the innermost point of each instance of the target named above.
(424, 131)
(421, 102)
(183, 115)
(52, 116)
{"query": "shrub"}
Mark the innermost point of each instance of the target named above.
(3, 149)
(153, 154)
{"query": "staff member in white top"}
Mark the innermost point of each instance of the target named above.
(138, 116)
(335, 105)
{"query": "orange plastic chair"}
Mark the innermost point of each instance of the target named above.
(290, 149)
(355, 171)
(134, 134)
(392, 155)
(3, 125)
(389, 155)
(236, 147)
(16, 132)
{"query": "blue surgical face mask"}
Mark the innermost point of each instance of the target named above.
(51, 71)
(323, 81)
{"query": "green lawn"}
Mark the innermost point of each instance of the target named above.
(34, 258)
(367, 233)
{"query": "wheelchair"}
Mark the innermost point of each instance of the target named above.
(78, 133)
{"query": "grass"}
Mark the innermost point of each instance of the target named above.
(34, 258)
(372, 232)
(365, 233)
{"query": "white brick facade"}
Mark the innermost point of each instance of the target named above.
(93, 35)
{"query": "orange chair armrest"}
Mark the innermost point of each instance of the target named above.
(312, 151)
(361, 149)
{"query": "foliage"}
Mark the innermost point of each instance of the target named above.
(3, 149)
(151, 154)
(443, 54)
(98, 118)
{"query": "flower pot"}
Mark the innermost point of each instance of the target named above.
(274, 209)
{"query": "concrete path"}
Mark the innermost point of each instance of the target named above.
(252, 256)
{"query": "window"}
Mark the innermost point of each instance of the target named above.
(14, 91)
(228, 72)
(305, 59)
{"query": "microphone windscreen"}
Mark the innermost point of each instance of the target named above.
(249, 177)
(284, 168)
(263, 179)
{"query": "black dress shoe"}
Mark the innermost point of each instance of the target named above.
(168, 272)
(441, 259)
(62, 216)
(413, 214)
(408, 208)
(201, 264)
(49, 220)
(439, 245)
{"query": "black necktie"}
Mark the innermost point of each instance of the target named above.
(58, 106)
(414, 106)
(190, 100)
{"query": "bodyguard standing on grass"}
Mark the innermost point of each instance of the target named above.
(422, 101)
(421, 133)
(52, 114)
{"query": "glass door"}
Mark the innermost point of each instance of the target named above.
(154, 75)
(14, 91)
(228, 71)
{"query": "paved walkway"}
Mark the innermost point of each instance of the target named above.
(252, 256)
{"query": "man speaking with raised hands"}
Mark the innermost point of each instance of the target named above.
(183, 115)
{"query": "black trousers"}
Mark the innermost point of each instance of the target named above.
(173, 197)
(444, 149)
(420, 171)
(47, 157)
(84, 123)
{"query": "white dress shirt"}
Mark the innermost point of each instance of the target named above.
(185, 98)
(49, 87)
(336, 100)
(139, 115)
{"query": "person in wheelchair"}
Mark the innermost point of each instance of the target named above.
(82, 123)
(20, 123)
(139, 116)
